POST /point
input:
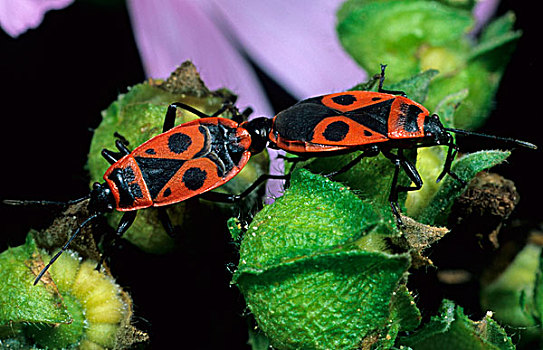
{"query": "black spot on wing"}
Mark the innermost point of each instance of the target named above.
(336, 131)
(344, 99)
(194, 178)
(179, 142)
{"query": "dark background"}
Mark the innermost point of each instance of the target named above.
(58, 78)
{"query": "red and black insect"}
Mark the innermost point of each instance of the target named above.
(372, 122)
(184, 161)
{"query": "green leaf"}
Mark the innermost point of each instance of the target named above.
(314, 215)
(538, 293)
(466, 168)
(423, 35)
(324, 301)
(515, 296)
(496, 35)
(314, 272)
(416, 87)
(404, 310)
(20, 300)
(452, 329)
(409, 26)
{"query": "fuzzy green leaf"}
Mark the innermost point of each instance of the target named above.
(466, 168)
(452, 329)
(314, 215)
(538, 292)
(420, 35)
(416, 87)
(325, 301)
(20, 300)
(313, 270)
(409, 25)
(515, 296)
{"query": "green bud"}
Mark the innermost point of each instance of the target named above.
(72, 305)
(311, 276)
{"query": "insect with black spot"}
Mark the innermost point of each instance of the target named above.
(185, 161)
(384, 122)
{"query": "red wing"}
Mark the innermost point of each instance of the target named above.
(195, 176)
(344, 131)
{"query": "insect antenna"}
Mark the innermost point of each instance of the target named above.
(23, 202)
(79, 228)
(494, 137)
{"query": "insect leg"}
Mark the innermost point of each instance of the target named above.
(400, 161)
(121, 146)
(382, 80)
(166, 221)
(120, 143)
(169, 120)
(126, 221)
(233, 198)
(451, 154)
(110, 156)
(367, 153)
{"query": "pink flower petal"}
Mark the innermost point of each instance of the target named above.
(17, 16)
(483, 11)
(169, 32)
(295, 42)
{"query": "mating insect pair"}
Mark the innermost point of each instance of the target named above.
(196, 157)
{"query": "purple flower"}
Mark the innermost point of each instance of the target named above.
(293, 41)
(17, 16)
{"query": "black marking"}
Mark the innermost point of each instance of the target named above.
(374, 117)
(194, 178)
(344, 99)
(167, 192)
(223, 147)
(150, 151)
(376, 98)
(179, 142)
(298, 122)
(367, 133)
(126, 198)
(157, 172)
(409, 117)
(336, 131)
